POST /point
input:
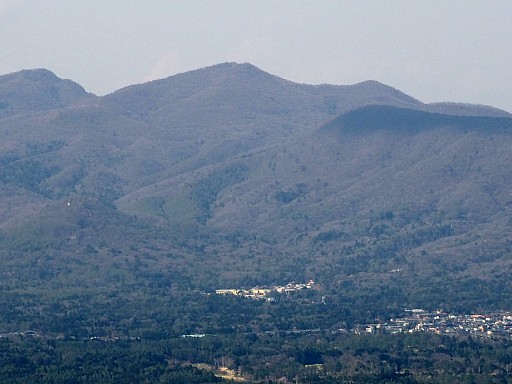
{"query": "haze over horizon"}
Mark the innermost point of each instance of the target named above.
(433, 51)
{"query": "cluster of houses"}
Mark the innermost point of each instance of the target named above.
(263, 292)
(495, 325)
(17, 333)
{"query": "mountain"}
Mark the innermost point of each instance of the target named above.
(228, 175)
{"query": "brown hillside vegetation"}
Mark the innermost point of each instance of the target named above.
(229, 175)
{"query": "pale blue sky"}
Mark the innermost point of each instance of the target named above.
(458, 50)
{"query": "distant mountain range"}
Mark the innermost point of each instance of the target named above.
(230, 175)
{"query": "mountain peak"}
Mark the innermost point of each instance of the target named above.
(38, 74)
(234, 65)
(379, 90)
(35, 90)
(230, 70)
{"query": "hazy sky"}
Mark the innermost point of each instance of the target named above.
(449, 50)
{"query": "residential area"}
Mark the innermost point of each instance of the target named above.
(263, 292)
(491, 325)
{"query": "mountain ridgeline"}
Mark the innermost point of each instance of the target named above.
(230, 176)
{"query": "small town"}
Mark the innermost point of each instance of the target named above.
(490, 325)
(497, 325)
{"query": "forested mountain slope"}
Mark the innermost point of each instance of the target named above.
(228, 175)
